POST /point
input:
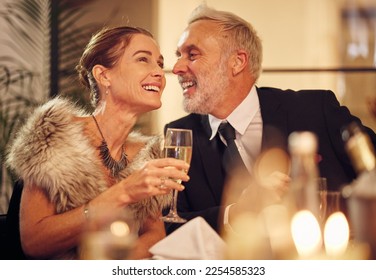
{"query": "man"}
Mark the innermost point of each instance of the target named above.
(219, 62)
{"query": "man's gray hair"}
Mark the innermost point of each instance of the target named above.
(237, 34)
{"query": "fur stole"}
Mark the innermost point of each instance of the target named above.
(52, 152)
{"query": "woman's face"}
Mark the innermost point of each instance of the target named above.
(137, 80)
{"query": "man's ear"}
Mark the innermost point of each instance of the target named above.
(100, 75)
(239, 61)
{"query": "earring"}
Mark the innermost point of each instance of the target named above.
(102, 104)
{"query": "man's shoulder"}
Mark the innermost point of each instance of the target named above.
(289, 95)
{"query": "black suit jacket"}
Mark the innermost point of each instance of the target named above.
(283, 112)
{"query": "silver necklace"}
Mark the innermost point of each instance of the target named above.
(109, 162)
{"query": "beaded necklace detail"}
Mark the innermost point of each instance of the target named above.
(109, 162)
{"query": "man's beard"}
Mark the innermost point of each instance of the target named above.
(209, 92)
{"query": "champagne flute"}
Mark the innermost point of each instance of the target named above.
(178, 144)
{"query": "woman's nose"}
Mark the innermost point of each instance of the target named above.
(159, 72)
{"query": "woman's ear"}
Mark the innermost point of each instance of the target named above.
(100, 75)
(239, 62)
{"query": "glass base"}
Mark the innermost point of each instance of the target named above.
(173, 218)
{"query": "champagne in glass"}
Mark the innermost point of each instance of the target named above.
(178, 144)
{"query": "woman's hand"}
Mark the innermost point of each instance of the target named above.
(156, 177)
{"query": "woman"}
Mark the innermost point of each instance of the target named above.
(78, 166)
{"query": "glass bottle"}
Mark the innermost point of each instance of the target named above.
(301, 201)
(304, 172)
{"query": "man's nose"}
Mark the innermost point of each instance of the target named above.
(179, 67)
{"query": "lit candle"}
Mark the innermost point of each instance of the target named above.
(306, 233)
(119, 228)
(336, 234)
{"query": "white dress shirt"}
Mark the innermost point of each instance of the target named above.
(247, 122)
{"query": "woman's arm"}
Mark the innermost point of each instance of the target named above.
(44, 234)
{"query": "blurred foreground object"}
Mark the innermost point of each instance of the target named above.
(108, 237)
(361, 194)
(260, 228)
(304, 173)
(302, 199)
(286, 225)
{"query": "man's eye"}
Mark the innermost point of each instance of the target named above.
(192, 56)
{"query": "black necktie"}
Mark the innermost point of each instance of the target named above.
(231, 157)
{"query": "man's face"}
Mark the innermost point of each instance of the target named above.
(202, 67)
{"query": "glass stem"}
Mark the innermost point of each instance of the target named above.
(174, 201)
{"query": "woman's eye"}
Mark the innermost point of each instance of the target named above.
(143, 59)
(161, 64)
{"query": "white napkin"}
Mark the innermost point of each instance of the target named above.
(195, 240)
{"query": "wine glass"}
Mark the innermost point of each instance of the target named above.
(329, 201)
(177, 144)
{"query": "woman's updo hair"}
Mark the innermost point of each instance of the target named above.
(104, 48)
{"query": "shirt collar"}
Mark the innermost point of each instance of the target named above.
(241, 117)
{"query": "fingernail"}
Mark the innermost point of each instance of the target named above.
(182, 187)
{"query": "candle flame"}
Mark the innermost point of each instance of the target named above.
(306, 233)
(336, 234)
(120, 229)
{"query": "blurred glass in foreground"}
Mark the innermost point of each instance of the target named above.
(110, 237)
